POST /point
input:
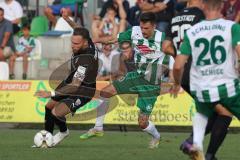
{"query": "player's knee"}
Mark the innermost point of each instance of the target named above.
(54, 112)
(49, 106)
(143, 123)
(221, 110)
(107, 93)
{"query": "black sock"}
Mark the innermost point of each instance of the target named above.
(219, 132)
(210, 123)
(190, 138)
(210, 157)
(61, 123)
(49, 120)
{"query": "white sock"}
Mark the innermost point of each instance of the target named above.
(151, 129)
(199, 127)
(101, 112)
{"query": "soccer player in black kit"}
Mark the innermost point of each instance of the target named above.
(218, 124)
(77, 89)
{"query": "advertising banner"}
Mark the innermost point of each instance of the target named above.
(18, 104)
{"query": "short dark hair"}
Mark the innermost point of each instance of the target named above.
(125, 42)
(148, 17)
(82, 32)
(112, 7)
(26, 26)
(1, 9)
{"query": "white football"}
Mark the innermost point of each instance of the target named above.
(43, 139)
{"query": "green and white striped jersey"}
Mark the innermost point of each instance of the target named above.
(150, 60)
(213, 74)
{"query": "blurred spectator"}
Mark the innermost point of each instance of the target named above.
(107, 25)
(119, 5)
(13, 12)
(110, 25)
(110, 58)
(180, 5)
(6, 37)
(121, 9)
(231, 10)
(134, 14)
(56, 8)
(164, 10)
(24, 49)
(127, 63)
(61, 24)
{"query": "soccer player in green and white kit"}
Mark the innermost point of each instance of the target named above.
(145, 81)
(214, 45)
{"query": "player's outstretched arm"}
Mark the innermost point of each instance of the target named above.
(238, 55)
(178, 69)
(238, 51)
(43, 94)
(168, 48)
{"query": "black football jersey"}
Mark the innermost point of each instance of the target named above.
(84, 66)
(179, 24)
(182, 22)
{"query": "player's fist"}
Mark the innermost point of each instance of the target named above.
(43, 94)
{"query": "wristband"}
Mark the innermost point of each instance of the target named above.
(53, 93)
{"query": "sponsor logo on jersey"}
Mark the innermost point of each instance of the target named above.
(78, 102)
(143, 49)
(149, 107)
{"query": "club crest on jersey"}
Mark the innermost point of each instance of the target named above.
(149, 107)
(76, 60)
(122, 79)
(96, 55)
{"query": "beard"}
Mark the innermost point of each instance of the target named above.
(79, 51)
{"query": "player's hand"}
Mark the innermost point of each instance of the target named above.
(43, 94)
(174, 90)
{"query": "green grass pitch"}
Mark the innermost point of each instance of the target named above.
(15, 145)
